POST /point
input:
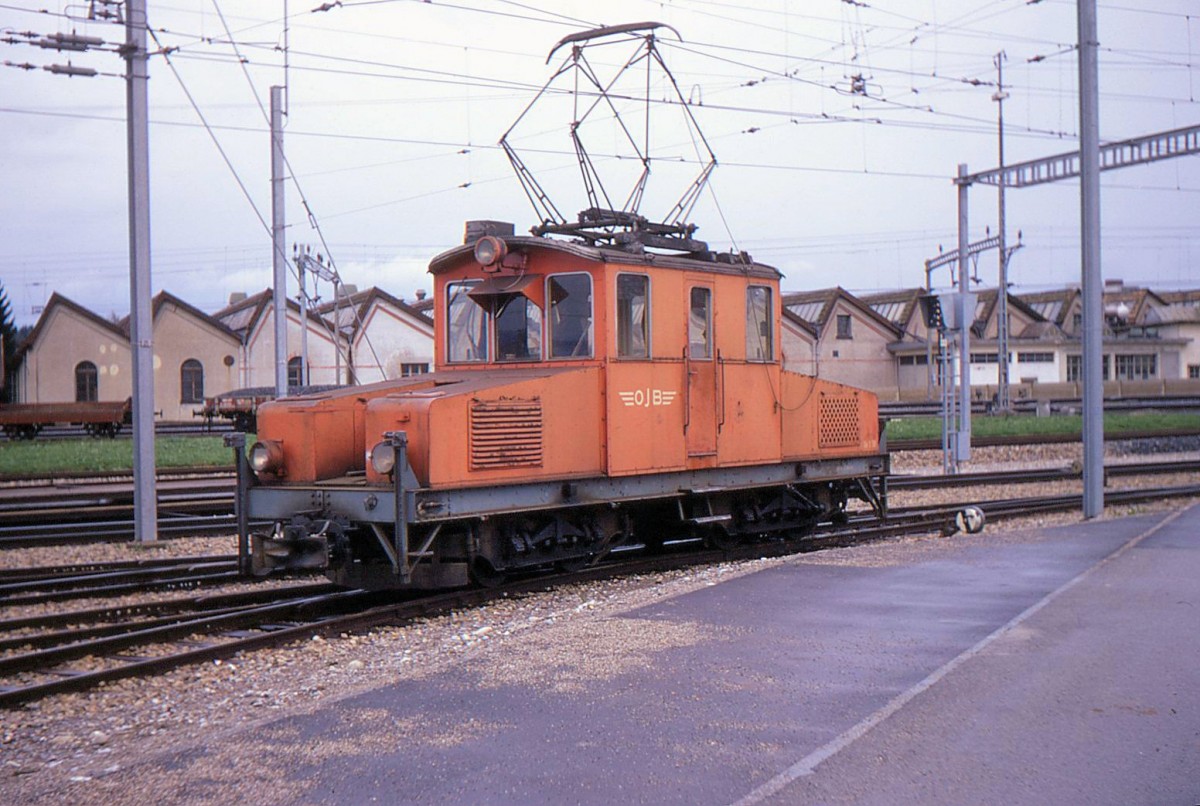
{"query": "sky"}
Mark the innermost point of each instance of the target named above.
(836, 126)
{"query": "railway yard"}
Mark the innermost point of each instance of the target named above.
(184, 701)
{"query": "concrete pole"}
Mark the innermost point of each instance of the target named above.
(1092, 281)
(965, 316)
(279, 261)
(141, 325)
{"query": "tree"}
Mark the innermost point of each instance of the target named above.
(8, 333)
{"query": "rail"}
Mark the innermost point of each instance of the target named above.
(232, 626)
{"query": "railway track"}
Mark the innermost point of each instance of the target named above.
(994, 441)
(1029, 405)
(37, 586)
(202, 504)
(63, 432)
(37, 653)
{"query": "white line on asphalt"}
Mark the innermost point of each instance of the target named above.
(809, 764)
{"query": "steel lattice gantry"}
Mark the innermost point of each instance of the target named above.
(1121, 154)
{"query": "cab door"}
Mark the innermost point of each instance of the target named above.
(700, 425)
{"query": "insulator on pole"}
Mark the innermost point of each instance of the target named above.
(69, 42)
(71, 70)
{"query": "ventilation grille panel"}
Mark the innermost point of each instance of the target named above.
(839, 422)
(506, 433)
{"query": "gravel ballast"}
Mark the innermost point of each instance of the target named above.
(63, 748)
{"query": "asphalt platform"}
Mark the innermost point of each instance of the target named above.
(1058, 667)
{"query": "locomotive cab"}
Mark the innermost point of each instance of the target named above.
(582, 393)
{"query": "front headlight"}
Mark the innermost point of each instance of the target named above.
(382, 458)
(266, 456)
(490, 250)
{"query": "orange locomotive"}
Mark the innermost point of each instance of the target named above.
(586, 395)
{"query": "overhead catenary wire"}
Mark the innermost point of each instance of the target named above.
(312, 219)
(713, 90)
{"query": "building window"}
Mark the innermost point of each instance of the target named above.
(295, 376)
(633, 316)
(86, 380)
(191, 382)
(1075, 368)
(1076, 322)
(759, 336)
(407, 370)
(570, 299)
(1194, 370)
(1140, 367)
(466, 323)
(914, 360)
(1035, 358)
(985, 358)
(843, 326)
(700, 324)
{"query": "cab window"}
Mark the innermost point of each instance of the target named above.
(700, 324)
(633, 316)
(570, 315)
(759, 333)
(518, 330)
(466, 326)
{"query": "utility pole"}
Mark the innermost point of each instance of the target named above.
(1092, 281)
(1003, 403)
(145, 503)
(278, 259)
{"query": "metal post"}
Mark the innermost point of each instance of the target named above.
(1093, 309)
(237, 441)
(301, 260)
(400, 473)
(949, 465)
(965, 317)
(1002, 398)
(278, 262)
(337, 332)
(141, 325)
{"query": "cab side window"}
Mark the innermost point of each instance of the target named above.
(700, 324)
(760, 339)
(466, 326)
(570, 316)
(633, 316)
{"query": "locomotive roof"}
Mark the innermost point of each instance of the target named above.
(709, 262)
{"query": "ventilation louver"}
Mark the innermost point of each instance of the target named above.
(839, 421)
(506, 433)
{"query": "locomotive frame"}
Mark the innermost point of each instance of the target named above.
(726, 446)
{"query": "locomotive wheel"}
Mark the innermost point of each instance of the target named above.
(721, 540)
(484, 574)
(22, 431)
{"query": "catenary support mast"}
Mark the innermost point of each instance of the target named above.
(962, 447)
(278, 257)
(145, 503)
(1092, 281)
(1002, 399)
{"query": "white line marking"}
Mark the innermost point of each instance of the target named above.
(809, 764)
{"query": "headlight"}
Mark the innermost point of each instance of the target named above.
(382, 458)
(266, 456)
(490, 250)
